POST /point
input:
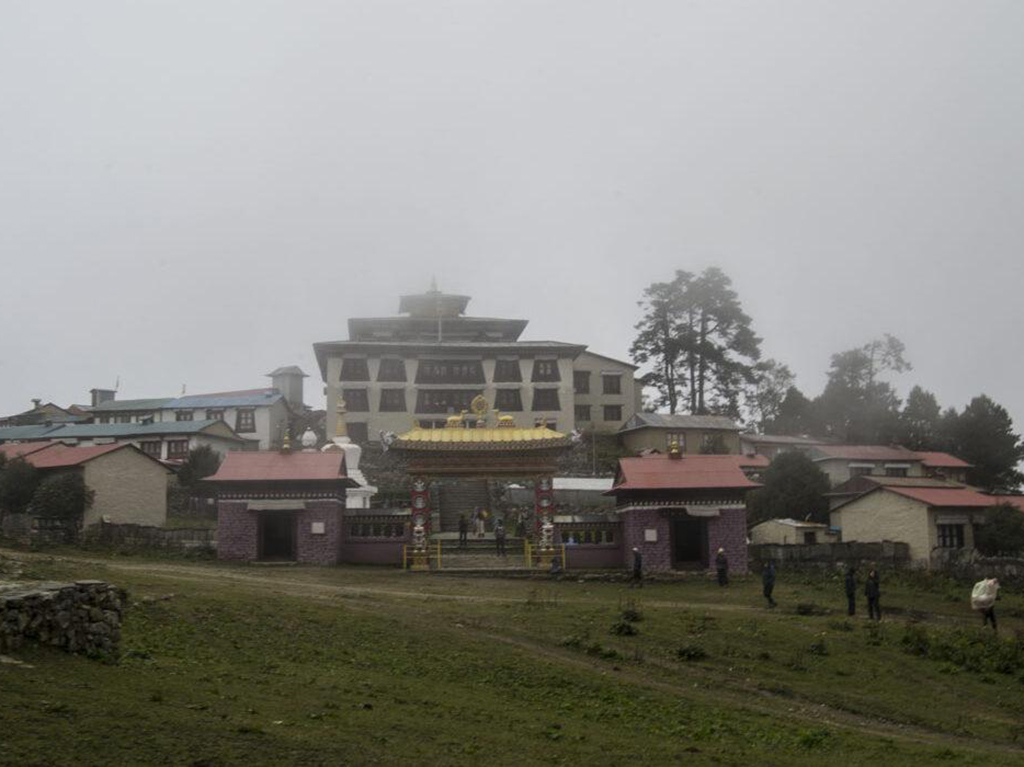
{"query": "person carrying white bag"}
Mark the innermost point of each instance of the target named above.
(983, 598)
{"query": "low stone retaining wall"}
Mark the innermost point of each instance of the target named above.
(829, 555)
(147, 537)
(80, 617)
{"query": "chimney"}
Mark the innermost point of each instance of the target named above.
(99, 396)
(36, 403)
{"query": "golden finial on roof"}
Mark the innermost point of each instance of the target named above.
(286, 443)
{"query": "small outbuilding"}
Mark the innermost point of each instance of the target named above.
(679, 510)
(281, 506)
(790, 531)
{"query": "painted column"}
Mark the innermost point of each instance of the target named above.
(544, 511)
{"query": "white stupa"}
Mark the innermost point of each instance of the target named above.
(355, 497)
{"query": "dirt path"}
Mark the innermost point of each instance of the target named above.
(725, 690)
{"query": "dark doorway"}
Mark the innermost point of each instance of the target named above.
(277, 535)
(689, 543)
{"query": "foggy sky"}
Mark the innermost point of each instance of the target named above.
(195, 192)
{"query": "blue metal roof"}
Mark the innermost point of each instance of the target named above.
(130, 404)
(8, 433)
(224, 400)
(132, 430)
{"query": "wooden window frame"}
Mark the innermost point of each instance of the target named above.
(513, 374)
(542, 373)
(386, 406)
(581, 382)
(542, 407)
(604, 413)
(249, 415)
(607, 378)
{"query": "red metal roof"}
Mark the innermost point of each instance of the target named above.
(944, 497)
(272, 466)
(941, 460)
(692, 472)
(1011, 500)
(865, 452)
(23, 448)
(59, 456)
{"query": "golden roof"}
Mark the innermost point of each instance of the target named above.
(484, 436)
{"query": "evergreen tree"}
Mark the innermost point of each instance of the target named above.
(983, 436)
(793, 487)
(856, 406)
(1002, 533)
(764, 399)
(920, 422)
(796, 416)
(18, 482)
(658, 341)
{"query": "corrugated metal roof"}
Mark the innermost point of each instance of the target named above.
(57, 456)
(780, 439)
(272, 466)
(129, 430)
(863, 453)
(944, 497)
(129, 404)
(678, 421)
(17, 449)
(593, 484)
(246, 398)
(793, 523)
(659, 472)
(936, 460)
(9, 433)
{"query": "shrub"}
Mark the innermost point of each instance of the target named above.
(624, 629)
(818, 647)
(691, 652)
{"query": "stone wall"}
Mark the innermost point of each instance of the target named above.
(830, 555)
(657, 555)
(319, 548)
(84, 616)
(147, 537)
(729, 531)
(237, 532)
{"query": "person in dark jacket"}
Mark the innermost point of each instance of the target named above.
(768, 581)
(850, 582)
(873, 591)
(722, 568)
(638, 569)
(463, 530)
(499, 537)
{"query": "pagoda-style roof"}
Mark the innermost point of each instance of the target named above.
(497, 438)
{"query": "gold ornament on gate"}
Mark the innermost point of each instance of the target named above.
(479, 405)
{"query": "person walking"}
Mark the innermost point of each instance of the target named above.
(499, 537)
(638, 569)
(850, 582)
(873, 591)
(983, 598)
(722, 567)
(768, 581)
(463, 530)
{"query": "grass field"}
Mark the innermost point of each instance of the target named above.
(293, 665)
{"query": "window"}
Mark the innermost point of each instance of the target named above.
(581, 381)
(214, 415)
(581, 413)
(545, 370)
(104, 419)
(450, 371)
(183, 415)
(245, 421)
(392, 401)
(677, 437)
(509, 400)
(895, 471)
(545, 399)
(391, 370)
(359, 432)
(355, 369)
(177, 449)
(861, 471)
(151, 448)
(810, 537)
(613, 412)
(452, 401)
(611, 383)
(951, 536)
(123, 418)
(356, 400)
(507, 371)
